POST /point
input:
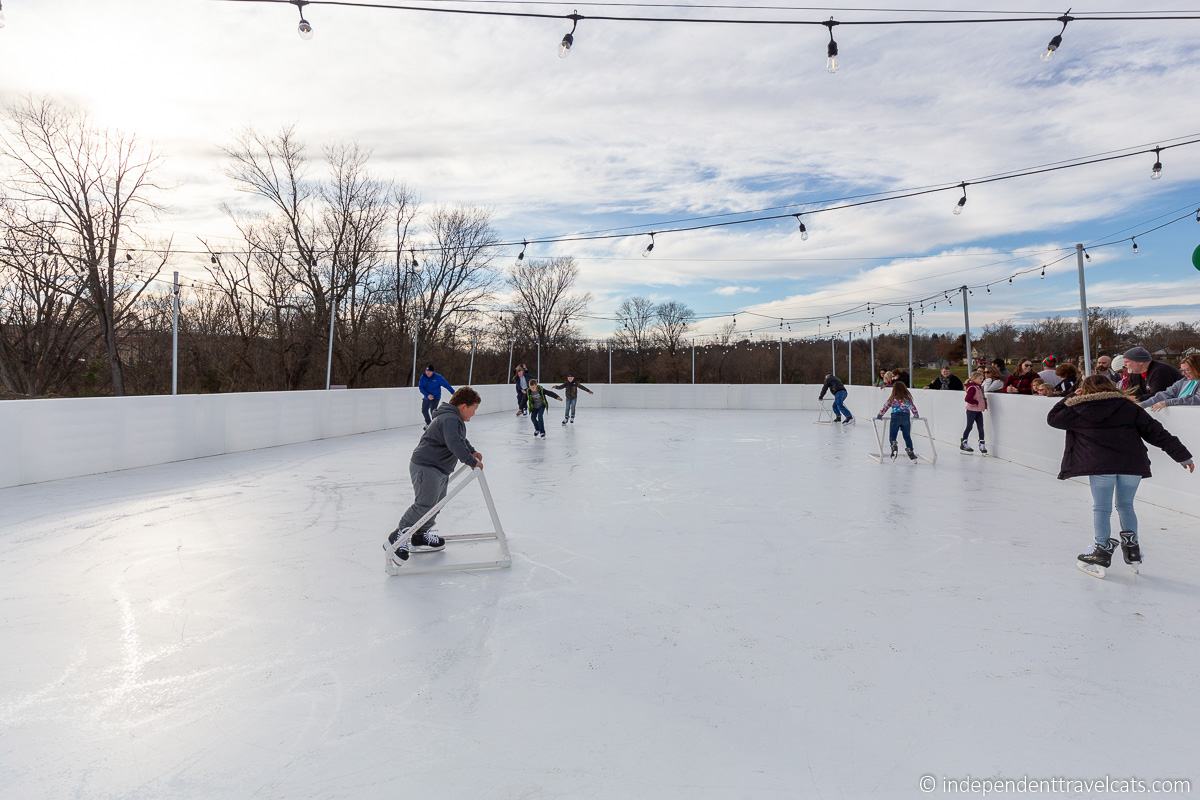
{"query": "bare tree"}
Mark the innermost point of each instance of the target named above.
(635, 331)
(544, 303)
(672, 322)
(999, 339)
(82, 191)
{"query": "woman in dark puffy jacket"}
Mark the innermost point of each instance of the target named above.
(1105, 434)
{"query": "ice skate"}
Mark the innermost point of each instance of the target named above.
(848, 420)
(572, 420)
(565, 421)
(543, 435)
(911, 455)
(1096, 562)
(895, 451)
(963, 447)
(982, 448)
(396, 550)
(1131, 550)
(837, 419)
(426, 542)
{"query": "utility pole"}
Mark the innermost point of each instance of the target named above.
(967, 329)
(175, 335)
(910, 343)
(1083, 314)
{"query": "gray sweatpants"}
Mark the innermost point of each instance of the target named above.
(429, 487)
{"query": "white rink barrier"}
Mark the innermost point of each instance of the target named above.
(52, 439)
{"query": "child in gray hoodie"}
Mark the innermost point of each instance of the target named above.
(442, 447)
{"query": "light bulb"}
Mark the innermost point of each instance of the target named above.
(831, 63)
(305, 29)
(1, 17)
(1050, 48)
(1135, 247)
(1156, 172)
(564, 47)
(958, 209)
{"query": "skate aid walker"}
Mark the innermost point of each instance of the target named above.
(881, 437)
(825, 412)
(464, 551)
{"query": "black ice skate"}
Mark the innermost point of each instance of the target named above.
(1131, 550)
(964, 448)
(1097, 561)
(565, 422)
(895, 451)
(911, 455)
(427, 542)
(982, 448)
(837, 419)
(397, 553)
(848, 420)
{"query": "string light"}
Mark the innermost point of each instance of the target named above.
(804, 230)
(305, 28)
(521, 255)
(1, 15)
(568, 41)
(1057, 40)
(1156, 170)
(415, 264)
(1135, 244)
(649, 248)
(1043, 271)
(831, 60)
(962, 201)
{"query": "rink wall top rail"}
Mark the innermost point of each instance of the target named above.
(54, 439)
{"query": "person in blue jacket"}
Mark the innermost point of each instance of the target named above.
(431, 385)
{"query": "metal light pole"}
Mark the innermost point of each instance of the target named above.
(471, 365)
(1083, 314)
(508, 376)
(832, 356)
(610, 361)
(414, 375)
(539, 351)
(849, 358)
(871, 373)
(910, 345)
(175, 335)
(332, 319)
(781, 362)
(693, 361)
(967, 329)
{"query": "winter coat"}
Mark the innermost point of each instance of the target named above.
(976, 401)
(1183, 392)
(1023, 383)
(900, 407)
(993, 385)
(1158, 378)
(537, 397)
(522, 383)
(832, 384)
(445, 441)
(573, 389)
(433, 385)
(1105, 432)
(952, 382)
(1067, 387)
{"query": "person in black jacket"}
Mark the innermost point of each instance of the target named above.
(1105, 434)
(832, 384)
(947, 380)
(1148, 377)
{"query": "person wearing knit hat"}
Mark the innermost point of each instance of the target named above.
(1048, 375)
(1148, 377)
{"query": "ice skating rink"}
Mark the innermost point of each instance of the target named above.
(701, 605)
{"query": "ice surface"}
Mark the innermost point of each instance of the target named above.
(702, 604)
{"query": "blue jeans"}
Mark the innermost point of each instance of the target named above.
(901, 423)
(569, 407)
(839, 405)
(1103, 487)
(974, 418)
(427, 407)
(537, 415)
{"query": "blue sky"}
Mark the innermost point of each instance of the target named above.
(644, 123)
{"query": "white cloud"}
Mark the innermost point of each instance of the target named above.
(727, 291)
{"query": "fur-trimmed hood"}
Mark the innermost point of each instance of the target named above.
(1091, 398)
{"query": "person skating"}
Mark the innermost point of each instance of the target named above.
(431, 385)
(903, 411)
(572, 388)
(521, 381)
(976, 400)
(832, 384)
(537, 406)
(443, 445)
(1104, 441)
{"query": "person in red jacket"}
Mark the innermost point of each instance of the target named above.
(1105, 435)
(976, 405)
(1021, 381)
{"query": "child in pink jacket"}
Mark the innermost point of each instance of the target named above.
(976, 405)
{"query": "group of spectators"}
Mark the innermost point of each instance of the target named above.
(1154, 384)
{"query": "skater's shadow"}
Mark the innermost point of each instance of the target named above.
(1155, 583)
